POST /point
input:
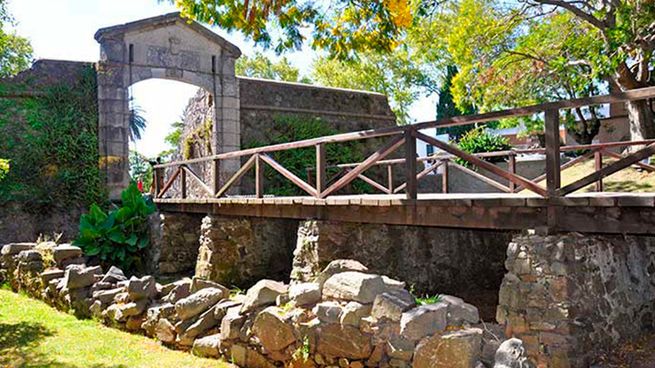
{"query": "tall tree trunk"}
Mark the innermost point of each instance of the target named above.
(642, 125)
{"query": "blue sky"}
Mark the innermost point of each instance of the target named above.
(64, 29)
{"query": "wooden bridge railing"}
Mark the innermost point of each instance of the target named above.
(407, 137)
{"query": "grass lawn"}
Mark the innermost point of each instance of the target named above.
(33, 334)
(630, 180)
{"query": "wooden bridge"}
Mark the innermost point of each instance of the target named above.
(525, 203)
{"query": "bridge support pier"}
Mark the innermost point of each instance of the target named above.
(239, 251)
(571, 296)
(174, 243)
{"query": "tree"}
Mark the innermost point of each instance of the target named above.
(339, 26)
(15, 51)
(396, 75)
(259, 66)
(626, 39)
(446, 107)
(137, 123)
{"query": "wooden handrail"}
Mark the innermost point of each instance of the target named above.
(407, 136)
(632, 95)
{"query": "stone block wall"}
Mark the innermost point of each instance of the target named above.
(239, 251)
(173, 243)
(570, 296)
(466, 263)
(351, 318)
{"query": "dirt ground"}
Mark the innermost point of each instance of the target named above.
(636, 354)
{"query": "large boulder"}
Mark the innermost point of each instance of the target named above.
(355, 286)
(205, 321)
(392, 304)
(165, 331)
(12, 249)
(459, 312)
(424, 321)
(338, 266)
(305, 293)
(199, 302)
(143, 288)
(114, 275)
(77, 277)
(177, 290)
(263, 293)
(65, 252)
(231, 324)
(207, 346)
(458, 349)
(198, 284)
(106, 296)
(328, 312)
(343, 342)
(273, 332)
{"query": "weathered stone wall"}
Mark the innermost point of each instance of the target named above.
(240, 251)
(173, 243)
(349, 318)
(466, 263)
(17, 223)
(570, 296)
(345, 110)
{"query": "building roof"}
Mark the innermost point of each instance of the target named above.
(163, 21)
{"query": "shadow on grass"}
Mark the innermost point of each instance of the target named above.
(17, 343)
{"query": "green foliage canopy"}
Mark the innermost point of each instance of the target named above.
(260, 66)
(396, 75)
(118, 237)
(479, 140)
(15, 51)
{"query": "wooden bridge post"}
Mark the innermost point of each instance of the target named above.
(156, 183)
(553, 180)
(511, 165)
(390, 178)
(183, 181)
(444, 177)
(598, 161)
(259, 177)
(216, 171)
(410, 164)
(321, 168)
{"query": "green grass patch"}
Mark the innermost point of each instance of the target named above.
(32, 334)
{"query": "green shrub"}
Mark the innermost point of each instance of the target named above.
(4, 168)
(120, 236)
(479, 140)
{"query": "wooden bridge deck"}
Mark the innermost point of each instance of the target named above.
(606, 212)
(552, 207)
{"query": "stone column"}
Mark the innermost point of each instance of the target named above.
(173, 243)
(242, 250)
(113, 116)
(570, 296)
(227, 126)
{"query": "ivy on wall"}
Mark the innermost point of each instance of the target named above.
(51, 140)
(291, 128)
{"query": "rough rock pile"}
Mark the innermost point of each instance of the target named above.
(346, 317)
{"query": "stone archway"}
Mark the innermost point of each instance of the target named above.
(167, 47)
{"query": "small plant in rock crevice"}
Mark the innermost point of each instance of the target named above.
(118, 237)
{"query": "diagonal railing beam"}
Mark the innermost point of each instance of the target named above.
(609, 170)
(482, 178)
(289, 175)
(373, 183)
(366, 164)
(237, 176)
(647, 167)
(564, 166)
(519, 180)
(170, 182)
(197, 179)
(419, 176)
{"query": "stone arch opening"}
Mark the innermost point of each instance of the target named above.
(164, 47)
